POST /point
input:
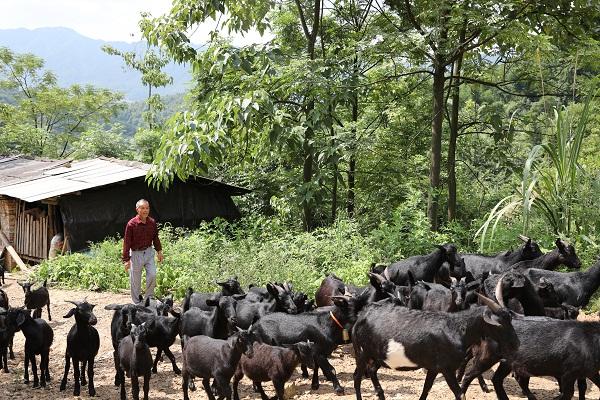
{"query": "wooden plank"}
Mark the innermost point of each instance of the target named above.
(12, 252)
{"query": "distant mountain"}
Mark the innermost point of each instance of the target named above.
(75, 58)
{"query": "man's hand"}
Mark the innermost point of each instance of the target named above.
(127, 265)
(160, 256)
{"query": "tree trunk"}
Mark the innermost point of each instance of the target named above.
(351, 197)
(436, 143)
(451, 165)
(334, 186)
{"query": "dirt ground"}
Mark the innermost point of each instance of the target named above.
(166, 385)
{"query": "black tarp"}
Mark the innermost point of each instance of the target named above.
(95, 214)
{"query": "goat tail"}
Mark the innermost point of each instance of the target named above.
(45, 282)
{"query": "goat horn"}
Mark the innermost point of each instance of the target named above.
(492, 305)
(76, 303)
(498, 292)
(523, 238)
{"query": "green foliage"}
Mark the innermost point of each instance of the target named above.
(97, 141)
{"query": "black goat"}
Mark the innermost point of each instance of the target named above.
(562, 254)
(516, 286)
(272, 363)
(4, 302)
(566, 350)
(38, 339)
(206, 358)
(572, 288)
(229, 287)
(83, 343)
(159, 307)
(429, 296)
(402, 339)
(478, 264)
(379, 288)
(563, 311)
(6, 340)
(424, 268)
(279, 298)
(135, 361)
(37, 299)
(124, 315)
(219, 323)
(324, 327)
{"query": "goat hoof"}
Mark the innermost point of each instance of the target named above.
(92, 392)
(76, 392)
(63, 386)
(36, 384)
(177, 371)
(26, 381)
(154, 370)
(83, 382)
(314, 386)
(305, 375)
(5, 370)
(339, 391)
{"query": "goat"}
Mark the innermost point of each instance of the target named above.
(280, 298)
(403, 339)
(562, 254)
(572, 288)
(206, 358)
(425, 267)
(4, 302)
(219, 323)
(6, 340)
(159, 307)
(2, 271)
(379, 288)
(326, 327)
(37, 299)
(478, 264)
(38, 339)
(429, 296)
(566, 350)
(229, 287)
(517, 286)
(83, 343)
(272, 363)
(135, 360)
(124, 315)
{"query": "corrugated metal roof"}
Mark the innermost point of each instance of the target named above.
(18, 168)
(79, 176)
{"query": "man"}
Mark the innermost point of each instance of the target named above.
(140, 234)
(56, 245)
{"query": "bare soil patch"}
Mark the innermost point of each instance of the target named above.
(166, 385)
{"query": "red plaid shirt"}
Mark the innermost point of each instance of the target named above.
(140, 235)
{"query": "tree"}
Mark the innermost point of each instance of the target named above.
(50, 116)
(150, 66)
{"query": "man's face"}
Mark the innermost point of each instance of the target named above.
(143, 210)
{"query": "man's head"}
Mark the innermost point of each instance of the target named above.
(142, 207)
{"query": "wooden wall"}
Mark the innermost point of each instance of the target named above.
(8, 219)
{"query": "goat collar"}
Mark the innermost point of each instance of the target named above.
(335, 320)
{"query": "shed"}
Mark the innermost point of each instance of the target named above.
(93, 199)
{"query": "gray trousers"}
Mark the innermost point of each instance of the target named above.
(142, 260)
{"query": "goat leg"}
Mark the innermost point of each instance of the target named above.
(10, 347)
(90, 371)
(26, 372)
(155, 364)
(147, 384)
(237, 377)
(523, 382)
(121, 379)
(117, 368)
(4, 359)
(304, 370)
(429, 379)
(83, 367)
(135, 387)
(184, 384)
(207, 389)
(261, 391)
(46, 360)
(372, 372)
(330, 374)
(498, 380)
(36, 380)
(48, 307)
(173, 362)
(315, 378)
(450, 377)
(63, 383)
(76, 378)
(568, 387)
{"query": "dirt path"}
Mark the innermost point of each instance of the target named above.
(166, 385)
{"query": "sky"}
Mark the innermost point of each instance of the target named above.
(110, 20)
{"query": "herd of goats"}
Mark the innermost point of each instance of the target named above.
(447, 312)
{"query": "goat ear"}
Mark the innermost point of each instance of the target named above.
(560, 245)
(71, 312)
(21, 319)
(490, 318)
(115, 307)
(469, 277)
(411, 279)
(212, 302)
(273, 289)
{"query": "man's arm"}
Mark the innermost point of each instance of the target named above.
(157, 244)
(127, 243)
